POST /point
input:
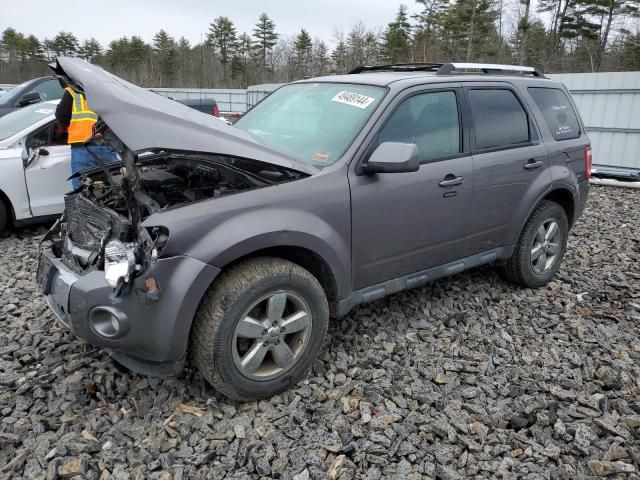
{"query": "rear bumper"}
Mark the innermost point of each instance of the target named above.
(153, 333)
(580, 199)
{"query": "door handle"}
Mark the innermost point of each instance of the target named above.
(451, 180)
(532, 164)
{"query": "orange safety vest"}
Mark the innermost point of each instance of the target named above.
(82, 119)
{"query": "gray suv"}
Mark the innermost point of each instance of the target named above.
(236, 244)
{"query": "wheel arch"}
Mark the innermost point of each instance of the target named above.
(304, 257)
(11, 214)
(560, 194)
(565, 199)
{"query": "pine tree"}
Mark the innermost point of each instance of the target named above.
(430, 16)
(265, 38)
(397, 37)
(531, 44)
(222, 37)
(629, 53)
(240, 62)
(127, 54)
(471, 30)
(65, 44)
(523, 30)
(90, 50)
(604, 12)
(339, 56)
(302, 51)
(320, 58)
(165, 49)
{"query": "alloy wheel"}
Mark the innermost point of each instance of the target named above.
(546, 246)
(272, 335)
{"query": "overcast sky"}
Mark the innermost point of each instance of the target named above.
(110, 19)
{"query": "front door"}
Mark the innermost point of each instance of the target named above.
(408, 222)
(47, 171)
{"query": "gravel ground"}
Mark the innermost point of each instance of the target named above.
(468, 377)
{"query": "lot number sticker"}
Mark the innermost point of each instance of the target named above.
(353, 99)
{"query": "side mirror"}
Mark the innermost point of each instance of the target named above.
(29, 99)
(29, 155)
(393, 157)
(25, 155)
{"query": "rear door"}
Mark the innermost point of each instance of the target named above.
(511, 164)
(408, 222)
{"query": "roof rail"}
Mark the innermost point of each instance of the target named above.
(398, 67)
(488, 68)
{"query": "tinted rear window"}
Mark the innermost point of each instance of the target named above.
(498, 118)
(557, 112)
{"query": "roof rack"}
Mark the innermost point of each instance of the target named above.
(451, 68)
(398, 67)
(488, 68)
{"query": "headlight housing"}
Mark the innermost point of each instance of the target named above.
(119, 261)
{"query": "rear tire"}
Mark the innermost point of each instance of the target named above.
(541, 247)
(259, 328)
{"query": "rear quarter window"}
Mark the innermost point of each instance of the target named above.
(557, 112)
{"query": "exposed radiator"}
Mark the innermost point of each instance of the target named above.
(88, 223)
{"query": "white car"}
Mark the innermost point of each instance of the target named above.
(35, 163)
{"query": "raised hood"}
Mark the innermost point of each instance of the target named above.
(144, 120)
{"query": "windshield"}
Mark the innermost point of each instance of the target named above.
(312, 122)
(12, 94)
(16, 122)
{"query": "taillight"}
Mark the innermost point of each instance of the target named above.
(216, 110)
(588, 160)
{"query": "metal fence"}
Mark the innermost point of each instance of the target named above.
(228, 99)
(609, 104)
(255, 93)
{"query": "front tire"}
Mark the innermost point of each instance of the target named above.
(259, 328)
(541, 247)
(4, 217)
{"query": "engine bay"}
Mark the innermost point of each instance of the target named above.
(106, 212)
(173, 180)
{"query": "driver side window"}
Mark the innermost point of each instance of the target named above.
(50, 135)
(49, 90)
(430, 120)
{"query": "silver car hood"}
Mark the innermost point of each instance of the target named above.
(144, 120)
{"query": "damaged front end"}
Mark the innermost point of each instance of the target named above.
(101, 228)
(101, 268)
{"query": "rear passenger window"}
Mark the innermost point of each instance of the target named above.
(498, 118)
(557, 112)
(430, 120)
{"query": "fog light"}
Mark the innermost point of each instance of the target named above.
(108, 322)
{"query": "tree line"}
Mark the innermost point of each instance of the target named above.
(556, 36)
